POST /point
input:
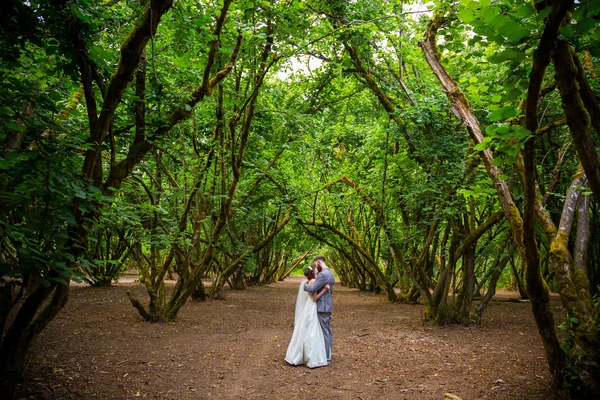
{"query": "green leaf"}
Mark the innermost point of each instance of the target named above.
(498, 162)
(466, 15)
(519, 57)
(14, 126)
(491, 129)
(568, 30)
(500, 21)
(472, 89)
(586, 25)
(513, 94)
(70, 218)
(496, 58)
(502, 129)
(509, 112)
(484, 3)
(544, 13)
(578, 14)
(498, 39)
(16, 235)
(496, 115)
(482, 30)
(55, 96)
(513, 31)
(489, 14)
(593, 7)
(525, 11)
(474, 40)
(481, 146)
(512, 152)
(79, 193)
(509, 54)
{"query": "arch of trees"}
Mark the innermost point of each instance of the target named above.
(435, 153)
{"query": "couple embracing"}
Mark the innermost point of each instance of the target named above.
(312, 338)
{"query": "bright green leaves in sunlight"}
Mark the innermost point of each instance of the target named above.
(482, 188)
(494, 24)
(505, 112)
(526, 10)
(466, 15)
(506, 140)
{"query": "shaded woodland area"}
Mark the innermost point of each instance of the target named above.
(433, 153)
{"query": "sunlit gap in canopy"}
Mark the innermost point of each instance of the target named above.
(305, 64)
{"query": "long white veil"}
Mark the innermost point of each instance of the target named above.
(300, 302)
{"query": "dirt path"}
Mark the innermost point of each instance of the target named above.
(99, 348)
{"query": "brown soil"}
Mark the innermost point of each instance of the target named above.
(99, 347)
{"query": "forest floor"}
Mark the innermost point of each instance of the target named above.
(99, 347)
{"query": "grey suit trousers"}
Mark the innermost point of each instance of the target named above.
(325, 321)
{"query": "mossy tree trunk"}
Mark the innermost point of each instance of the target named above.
(518, 279)
(238, 263)
(461, 108)
(286, 271)
(573, 285)
(230, 140)
(31, 318)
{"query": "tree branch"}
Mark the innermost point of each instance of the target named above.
(137, 151)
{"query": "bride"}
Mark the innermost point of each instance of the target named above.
(307, 345)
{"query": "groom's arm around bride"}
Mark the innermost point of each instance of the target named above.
(318, 284)
(325, 276)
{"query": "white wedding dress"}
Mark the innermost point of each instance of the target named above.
(307, 345)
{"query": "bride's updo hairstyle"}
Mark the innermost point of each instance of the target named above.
(309, 274)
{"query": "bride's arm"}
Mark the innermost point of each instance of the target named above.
(317, 296)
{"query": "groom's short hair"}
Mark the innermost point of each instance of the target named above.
(319, 258)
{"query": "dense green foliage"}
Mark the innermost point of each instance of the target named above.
(234, 140)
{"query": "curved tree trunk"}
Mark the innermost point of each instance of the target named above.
(27, 325)
(497, 268)
(460, 107)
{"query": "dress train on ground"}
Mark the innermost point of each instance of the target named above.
(307, 345)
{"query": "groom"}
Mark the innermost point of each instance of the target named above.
(324, 304)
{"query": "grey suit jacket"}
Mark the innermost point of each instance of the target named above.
(324, 304)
